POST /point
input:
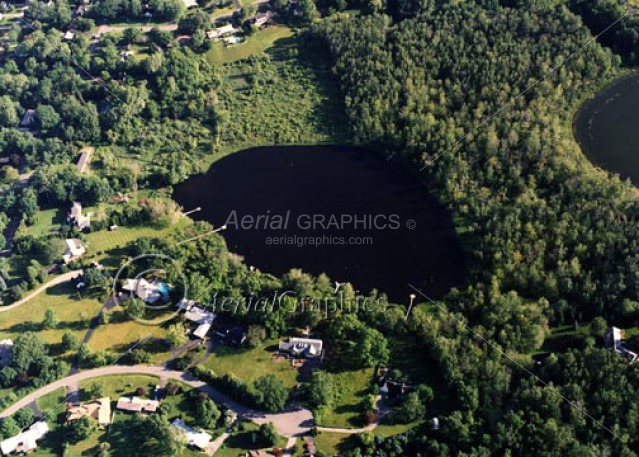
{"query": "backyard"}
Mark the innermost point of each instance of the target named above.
(249, 364)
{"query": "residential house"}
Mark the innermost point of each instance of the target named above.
(6, 352)
(99, 410)
(28, 119)
(75, 249)
(137, 405)
(262, 19)
(85, 156)
(221, 32)
(199, 440)
(148, 292)
(69, 35)
(198, 315)
(302, 347)
(77, 218)
(26, 441)
(188, 4)
(201, 331)
(614, 339)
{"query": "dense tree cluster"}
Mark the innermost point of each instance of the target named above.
(553, 241)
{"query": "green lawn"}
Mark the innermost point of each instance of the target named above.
(330, 443)
(99, 243)
(47, 221)
(72, 308)
(117, 337)
(354, 386)
(255, 44)
(240, 441)
(249, 364)
(119, 386)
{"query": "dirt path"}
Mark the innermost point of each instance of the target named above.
(54, 282)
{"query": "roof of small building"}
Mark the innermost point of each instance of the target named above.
(137, 404)
(25, 441)
(99, 409)
(198, 439)
(202, 330)
(28, 118)
(199, 315)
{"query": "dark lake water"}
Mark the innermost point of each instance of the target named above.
(316, 189)
(607, 128)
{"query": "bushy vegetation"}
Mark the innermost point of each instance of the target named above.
(554, 239)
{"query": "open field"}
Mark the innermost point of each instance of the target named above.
(284, 95)
(250, 364)
(47, 221)
(72, 308)
(117, 337)
(255, 44)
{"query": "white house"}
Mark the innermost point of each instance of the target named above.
(261, 19)
(85, 156)
(77, 218)
(148, 292)
(614, 339)
(69, 35)
(26, 441)
(199, 440)
(302, 347)
(75, 249)
(199, 315)
(28, 119)
(202, 330)
(137, 405)
(189, 4)
(220, 32)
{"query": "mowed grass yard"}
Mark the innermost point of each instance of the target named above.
(249, 364)
(118, 337)
(257, 43)
(73, 309)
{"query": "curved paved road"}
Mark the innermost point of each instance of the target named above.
(293, 421)
(54, 282)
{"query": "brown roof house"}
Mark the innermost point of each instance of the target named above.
(99, 410)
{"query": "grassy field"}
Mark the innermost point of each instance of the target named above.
(250, 364)
(354, 387)
(119, 386)
(255, 44)
(330, 443)
(99, 243)
(73, 310)
(284, 95)
(117, 337)
(47, 221)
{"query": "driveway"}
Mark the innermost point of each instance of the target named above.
(54, 282)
